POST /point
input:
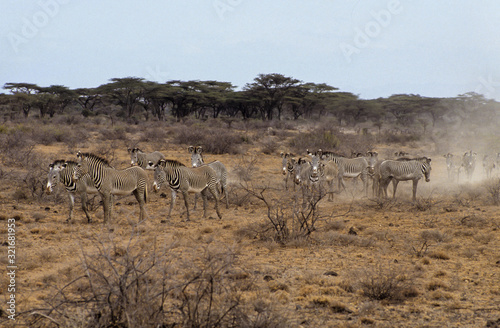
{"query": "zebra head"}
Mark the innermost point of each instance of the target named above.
(297, 169)
(196, 157)
(469, 160)
(314, 176)
(426, 169)
(160, 175)
(134, 156)
(54, 175)
(82, 168)
(286, 163)
(372, 159)
(449, 160)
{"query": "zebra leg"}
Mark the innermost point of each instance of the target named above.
(224, 191)
(195, 199)
(172, 202)
(330, 191)
(71, 206)
(415, 183)
(83, 197)
(214, 193)
(140, 199)
(394, 187)
(107, 203)
(185, 195)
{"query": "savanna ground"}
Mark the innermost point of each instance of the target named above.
(353, 262)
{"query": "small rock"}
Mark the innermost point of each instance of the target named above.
(330, 273)
(268, 278)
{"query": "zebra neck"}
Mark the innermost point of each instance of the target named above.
(67, 181)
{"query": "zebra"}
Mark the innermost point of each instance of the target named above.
(142, 159)
(306, 175)
(350, 167)
(403, 170)
(287, 168)
(186, 179)
(62, 171)
(489, 163)
(109, 181)
(217, 166)
(452, 166)
(469, 163)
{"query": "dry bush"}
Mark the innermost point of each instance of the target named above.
(139, 285)
(493, 190)
(317, 139)
(287, 221)
(117, 132)
(386, 282)
(213, 140)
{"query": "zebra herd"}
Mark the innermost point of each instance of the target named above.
(328, 166)
(466, 163)
(91, 174)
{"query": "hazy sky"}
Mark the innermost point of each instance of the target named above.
(368, 47)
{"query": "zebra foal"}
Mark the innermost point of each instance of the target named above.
(181, 178)
(109, 181)
(62, 171)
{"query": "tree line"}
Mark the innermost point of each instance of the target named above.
(268, 97)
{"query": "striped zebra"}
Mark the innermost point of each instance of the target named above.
(217, 166)
(62, 171)
(489, 164)
(142, 159)
(306, 175)
(469, 163)
(453, 166)
(181, 178)
(110, 181)
(287, 168)
(350, 167)
(404, 170)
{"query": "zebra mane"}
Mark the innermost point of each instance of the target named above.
(96, 158)
(137, 150)
(71, 162)
(58, 162)
(173, 162)
(406, 159)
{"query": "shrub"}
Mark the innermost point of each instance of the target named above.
(384, 281)
(213, 140)
(317, 139)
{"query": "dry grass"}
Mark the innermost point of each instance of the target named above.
(366, 263)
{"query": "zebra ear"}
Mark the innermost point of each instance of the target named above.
(64, 165)
(51, 166)
(199, 149)
(79, 155)
(191, 149)
(129, 150)
(282, 154)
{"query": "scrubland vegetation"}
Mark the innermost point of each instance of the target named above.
(273, 260)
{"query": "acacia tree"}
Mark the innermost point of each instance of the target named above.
(272, 90)
(24, 95)
(126, 92)
(87, 98)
